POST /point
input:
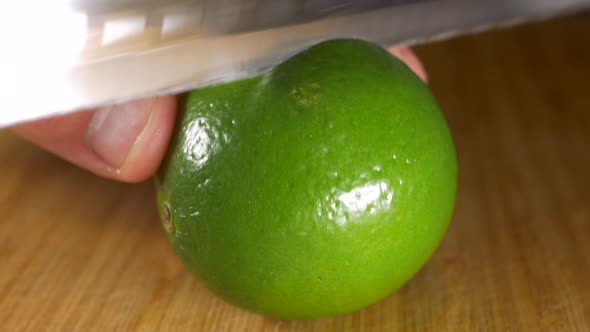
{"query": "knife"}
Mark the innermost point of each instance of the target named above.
(63, 56)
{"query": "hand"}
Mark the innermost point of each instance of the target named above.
(126, 142)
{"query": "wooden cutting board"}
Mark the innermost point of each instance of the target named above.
(81, 253)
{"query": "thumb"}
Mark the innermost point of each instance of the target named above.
(125, 142)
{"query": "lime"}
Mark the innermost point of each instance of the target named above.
(314, 189)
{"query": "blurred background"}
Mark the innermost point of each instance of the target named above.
(78, 252)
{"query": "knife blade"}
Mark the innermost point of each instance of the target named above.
(64, 56)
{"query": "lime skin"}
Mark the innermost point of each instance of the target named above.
(312, 190)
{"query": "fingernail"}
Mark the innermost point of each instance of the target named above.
(113, 131)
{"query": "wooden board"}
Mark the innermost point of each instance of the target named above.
(82, 253)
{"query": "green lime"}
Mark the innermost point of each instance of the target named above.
(313, 190)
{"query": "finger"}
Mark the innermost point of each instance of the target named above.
(125, 142)
(406, 55)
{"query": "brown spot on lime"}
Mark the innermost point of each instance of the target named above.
(167, 218)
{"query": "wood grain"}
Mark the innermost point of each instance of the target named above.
(82, 253)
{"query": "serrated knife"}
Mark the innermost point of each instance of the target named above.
(62, 56)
